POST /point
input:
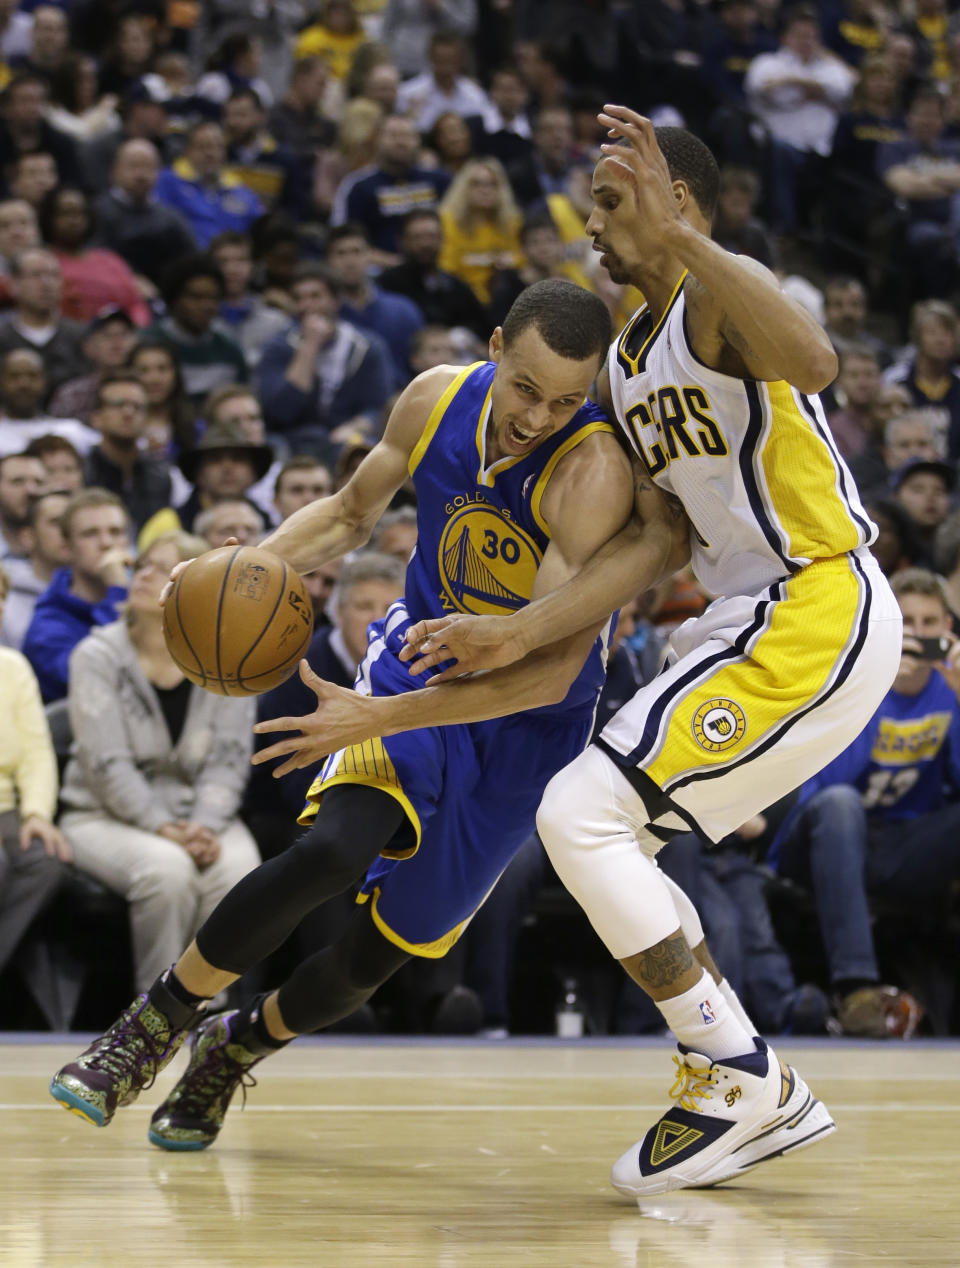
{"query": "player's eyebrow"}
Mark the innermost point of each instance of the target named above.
(597, 190)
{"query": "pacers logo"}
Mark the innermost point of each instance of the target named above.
(718, 724)
(487, 563)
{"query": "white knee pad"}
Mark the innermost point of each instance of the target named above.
(689, 920)
(592, 824)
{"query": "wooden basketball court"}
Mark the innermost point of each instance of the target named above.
(477, 1154)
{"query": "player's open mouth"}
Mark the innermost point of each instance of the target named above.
(521, 439)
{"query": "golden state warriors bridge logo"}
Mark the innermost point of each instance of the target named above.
(718, 724)
(487, 562)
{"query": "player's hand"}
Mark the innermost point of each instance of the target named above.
(176, 570)
(645, 169)
(341, 718)
(54, 842)
(474, 642)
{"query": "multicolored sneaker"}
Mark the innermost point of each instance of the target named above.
(193, 1113)
(729, 1116)
(119, 1065)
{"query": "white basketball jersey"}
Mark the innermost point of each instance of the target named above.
(753, 463)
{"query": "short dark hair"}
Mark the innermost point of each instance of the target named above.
(349, 229)
(690, 161)
(537, 220)
(116, 376)
(314, 271)
(299, 462)
(185, 270)
(572, 322)
(230, 238)
(420, 213)
(49, 443)
(245, 91)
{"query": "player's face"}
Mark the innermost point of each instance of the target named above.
(610, 223)
(535, 392)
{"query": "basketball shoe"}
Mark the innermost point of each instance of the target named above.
(193, 1113)
(728, 1116)
(116, 1068)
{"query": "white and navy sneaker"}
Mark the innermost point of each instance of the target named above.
(728, 1116)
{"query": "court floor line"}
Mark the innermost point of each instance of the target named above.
(897, 1107)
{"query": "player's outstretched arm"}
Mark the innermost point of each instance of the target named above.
(333, 526)
(591, 498)
(740, 301)
(653, 544)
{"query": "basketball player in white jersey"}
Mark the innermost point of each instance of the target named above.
(713, 383)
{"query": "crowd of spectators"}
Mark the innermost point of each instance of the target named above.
(230, 234)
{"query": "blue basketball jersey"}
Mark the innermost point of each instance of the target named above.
(481, 535)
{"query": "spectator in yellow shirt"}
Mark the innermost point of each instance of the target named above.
(335, 37)
(31, 847)
(481, 226)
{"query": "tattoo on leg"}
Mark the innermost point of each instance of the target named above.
(663, 964)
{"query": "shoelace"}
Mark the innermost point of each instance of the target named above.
(123, 1061)
(214, 1082)
(692, 1084)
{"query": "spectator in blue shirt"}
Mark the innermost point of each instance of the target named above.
(85, 594)
(394, 318)
(323, 383)
(882, 820)
(380, 199)
(207, 194)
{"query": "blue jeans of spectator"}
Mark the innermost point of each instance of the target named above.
(825, 850)
(913, 863)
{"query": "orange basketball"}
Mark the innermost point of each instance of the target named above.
(238, 621)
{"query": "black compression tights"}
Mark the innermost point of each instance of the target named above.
(353, 825)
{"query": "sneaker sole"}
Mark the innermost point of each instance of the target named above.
(177, 1146)
(76, 1105)
(810, 1119)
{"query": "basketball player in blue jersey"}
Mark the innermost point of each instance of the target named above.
(520, 480)
(713, 384)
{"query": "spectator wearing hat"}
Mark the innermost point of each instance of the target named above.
(206, 193)
(193, 290)
(129, 217)
(140, 479)
(37, 321)
(109, 341)
(92, 276)
(923, 489)
(23, 388)
(323, 382)
(223, 467)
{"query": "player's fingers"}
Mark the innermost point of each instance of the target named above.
(297, 762)
(447, 675)
(429, 659)
(231, 541)
(311, 679)
(281, 749)
(270, 725)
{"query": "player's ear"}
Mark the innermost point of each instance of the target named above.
(681, 192)
(495, 346)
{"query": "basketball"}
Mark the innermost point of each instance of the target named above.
(237, 621)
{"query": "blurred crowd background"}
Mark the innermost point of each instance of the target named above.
(230, 233)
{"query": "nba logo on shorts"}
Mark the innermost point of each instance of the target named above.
(707, 1013)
